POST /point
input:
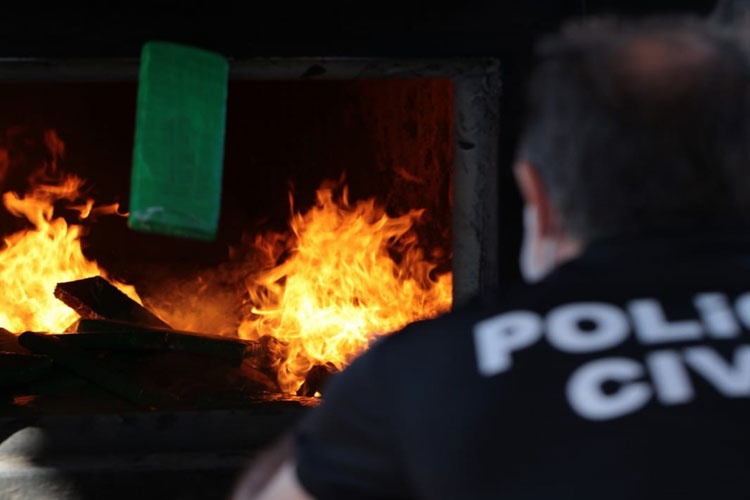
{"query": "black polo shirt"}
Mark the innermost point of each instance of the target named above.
(625, 374)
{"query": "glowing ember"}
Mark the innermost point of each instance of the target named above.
(34, 260)
(340, 287)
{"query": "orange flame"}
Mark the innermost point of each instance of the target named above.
(34, 260)
(340, 287)
(345, 274)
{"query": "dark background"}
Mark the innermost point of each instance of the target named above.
(492, 28)
(487, 27)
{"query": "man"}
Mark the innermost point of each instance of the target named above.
(623, 373)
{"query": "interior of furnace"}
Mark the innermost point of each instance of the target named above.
(385, 142)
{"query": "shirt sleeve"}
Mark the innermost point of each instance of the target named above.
(346, 448)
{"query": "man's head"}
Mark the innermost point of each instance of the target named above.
(634, 128)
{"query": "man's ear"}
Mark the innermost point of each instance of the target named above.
(535, 195)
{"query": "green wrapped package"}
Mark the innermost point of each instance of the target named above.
(179, 141)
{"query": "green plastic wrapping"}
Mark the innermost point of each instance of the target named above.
(179, 141)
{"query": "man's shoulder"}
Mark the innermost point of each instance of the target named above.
(669, 279)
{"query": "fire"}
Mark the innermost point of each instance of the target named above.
(352, 273)
(343, 275)
(34, 260)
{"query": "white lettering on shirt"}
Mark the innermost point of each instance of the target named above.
(497, 337)
(732, 380)
(609, 327)
(586, 394)
(742, 308)
(670, 378)
(613, 387)
(652, 326)
(716, 315)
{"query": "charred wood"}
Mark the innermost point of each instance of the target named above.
(96, 298)
(18, 369)
(88, 366)
(116, 341)
(114, 335)
(9, 343)
(193, 377)
(316, 380)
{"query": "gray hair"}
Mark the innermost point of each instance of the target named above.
(641, 126)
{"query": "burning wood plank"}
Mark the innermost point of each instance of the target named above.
(9, 343)
(19, 369)
(99, 372)
(316, 379)
(104, 334)
(96, 298)
(116, 341)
